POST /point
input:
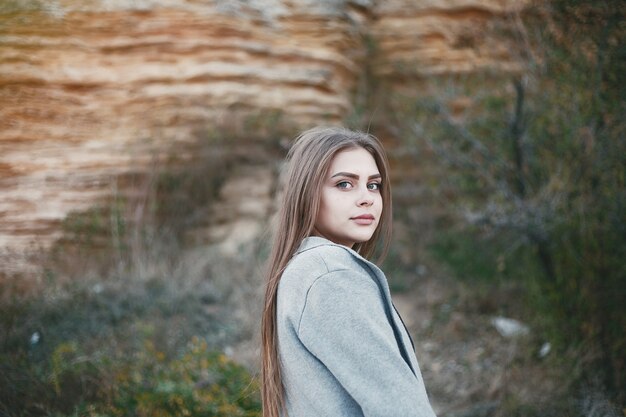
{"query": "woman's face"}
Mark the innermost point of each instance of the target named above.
(351, 203)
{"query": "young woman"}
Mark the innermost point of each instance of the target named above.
(332, 342)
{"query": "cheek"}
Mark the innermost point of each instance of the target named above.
(327, 207)
(333, 208)
(379, 202)
(332, 200)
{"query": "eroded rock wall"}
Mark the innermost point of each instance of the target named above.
(417, 39)
(91, 90)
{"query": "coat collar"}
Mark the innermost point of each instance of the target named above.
(311, 242)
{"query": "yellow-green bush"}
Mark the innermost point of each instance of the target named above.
(198, 382)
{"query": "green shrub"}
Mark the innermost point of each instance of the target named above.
(198, 382)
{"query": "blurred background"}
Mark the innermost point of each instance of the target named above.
(140, 146)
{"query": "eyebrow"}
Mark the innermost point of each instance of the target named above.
(354, 176)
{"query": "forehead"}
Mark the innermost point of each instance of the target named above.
(354, 160)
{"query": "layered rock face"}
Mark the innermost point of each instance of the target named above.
(416, 39)
(91, 90)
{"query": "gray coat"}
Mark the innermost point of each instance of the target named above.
(343, 348)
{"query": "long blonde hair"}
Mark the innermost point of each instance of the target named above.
(308, 161)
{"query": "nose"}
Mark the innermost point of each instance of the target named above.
(365, 198)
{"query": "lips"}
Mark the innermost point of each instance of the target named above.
(363, 219)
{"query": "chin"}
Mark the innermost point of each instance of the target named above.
(362, 238)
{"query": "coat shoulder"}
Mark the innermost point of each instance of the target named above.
(333, 257)
(309, 264)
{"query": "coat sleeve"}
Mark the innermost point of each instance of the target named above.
(344, 325)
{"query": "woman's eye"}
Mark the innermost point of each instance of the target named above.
(344, 185)
(374, 186)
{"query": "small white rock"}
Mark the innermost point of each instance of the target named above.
(509, 327)
(545, 349)
(229, 351)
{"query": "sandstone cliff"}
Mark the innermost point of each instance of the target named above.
(91, 90)
(434, 37)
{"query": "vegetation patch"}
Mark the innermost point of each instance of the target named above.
(196, 381)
